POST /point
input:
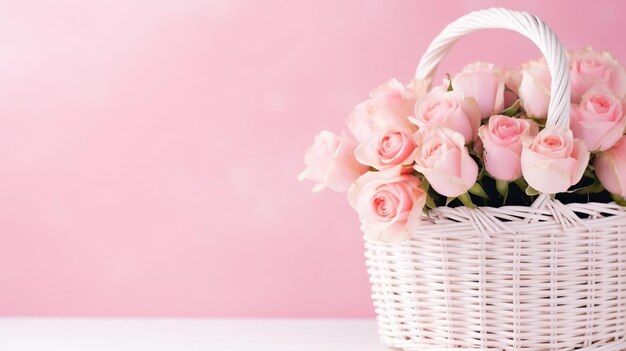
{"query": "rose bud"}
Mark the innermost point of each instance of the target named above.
(483, 82)
(445, 162)
(389, 204)
(502, 142)
(553, 160)
(330, 161)
(448, 109)
(599, 120)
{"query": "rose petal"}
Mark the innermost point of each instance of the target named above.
(503, 163)
(581, 154)
(608, 167)
(545, 174)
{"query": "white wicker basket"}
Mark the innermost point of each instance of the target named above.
(545, 277)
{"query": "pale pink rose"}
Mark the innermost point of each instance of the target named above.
(448, 109)
(611, 168)
(387, 148)
(502, 140)
(389, 204)
(512, 81)
(553, 160)
(445, 162)
(534, 91)
(389, 105)
(588, 68)
(484, 83)
(330, 161)
(599, 120)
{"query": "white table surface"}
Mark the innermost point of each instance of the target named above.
(84, 334)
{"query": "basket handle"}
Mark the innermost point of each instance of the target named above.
(524, 23)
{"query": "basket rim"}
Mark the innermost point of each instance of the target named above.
(546, 218)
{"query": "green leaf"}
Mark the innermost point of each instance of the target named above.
(450, 82)
(594, 188)
(521, 183)
(513, 110)
(430, 202)
(619, 200)
(478, 190)
(466, 199)
(531, 192)
(482, 171)
(438, 198)
(503, 188)
(449, 200)
(589, 173)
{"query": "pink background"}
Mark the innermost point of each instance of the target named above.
(149, 150)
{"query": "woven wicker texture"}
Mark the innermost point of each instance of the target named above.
(510, 278)
(545, 277)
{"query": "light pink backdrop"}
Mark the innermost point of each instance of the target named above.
(149, 149)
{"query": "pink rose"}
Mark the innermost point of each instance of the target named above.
(389, 105)
(512, 81)
(502, 140)
(451, 110)
(553, 160)
(588, 68)
(387, 148)
(389, 204)
(534, 91)
(485, 84)
(330, 161)
(599, 120)
(611, 168)
(445, 162)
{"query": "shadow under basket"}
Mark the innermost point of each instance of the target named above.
(509, 278)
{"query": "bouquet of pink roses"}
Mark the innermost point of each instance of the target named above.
(478, 139)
